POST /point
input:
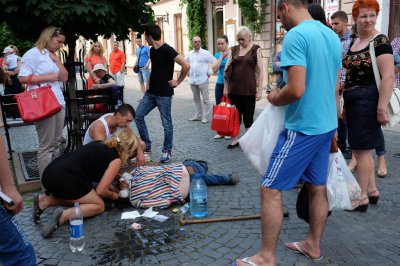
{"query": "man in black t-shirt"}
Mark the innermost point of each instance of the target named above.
(161, 89)
(107, 81)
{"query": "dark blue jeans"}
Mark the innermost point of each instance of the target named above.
(380, 148)
(116, 93)
(15, 249)
(219, 92)
(200, 167)
(146, 105)
(342, 135)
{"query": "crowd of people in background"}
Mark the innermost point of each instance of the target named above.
(343, 67)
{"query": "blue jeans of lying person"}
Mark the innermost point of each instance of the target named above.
(15, 249)
(200, 167)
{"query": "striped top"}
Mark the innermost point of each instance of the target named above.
(155, 186)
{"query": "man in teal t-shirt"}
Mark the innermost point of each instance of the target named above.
(311, 60)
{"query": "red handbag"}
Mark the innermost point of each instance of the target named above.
(36, 104)
(225, 119)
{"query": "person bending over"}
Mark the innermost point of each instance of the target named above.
(69, 179)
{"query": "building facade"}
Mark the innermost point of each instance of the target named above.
(224, 17)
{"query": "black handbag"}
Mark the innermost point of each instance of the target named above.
(136, 67)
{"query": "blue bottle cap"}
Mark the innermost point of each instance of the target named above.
(197, 176)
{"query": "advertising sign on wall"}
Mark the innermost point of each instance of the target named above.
(330, 7)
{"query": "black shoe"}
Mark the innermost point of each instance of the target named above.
(52, 224)
(360, 208)
(232, 146)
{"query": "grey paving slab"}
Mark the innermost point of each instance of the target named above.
(371, 238)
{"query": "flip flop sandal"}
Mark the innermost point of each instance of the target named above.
(36, 211)
(246, 260)
(298, 250)
(53, 223)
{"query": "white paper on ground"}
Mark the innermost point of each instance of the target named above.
(130, 215)
(160, 218)
(149, 213)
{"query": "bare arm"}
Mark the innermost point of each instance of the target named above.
(337, 96)
(109, 83)
(7, 182)
(63, 74)
(97, 131)
(294, 88)
(184, 70)
(386, 68)
(226, 81)
(104, 189)
(260, 74)
(217, 63)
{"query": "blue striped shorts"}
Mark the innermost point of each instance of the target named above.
(298, 157)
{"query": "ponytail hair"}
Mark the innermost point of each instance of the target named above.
(125, 142)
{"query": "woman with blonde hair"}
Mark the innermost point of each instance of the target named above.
(365, 104)
(244, 78)
(43, 66)
(69, 179)
(95, 56)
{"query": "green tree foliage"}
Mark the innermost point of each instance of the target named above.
(253, 11)
(26, 18)
(7, 38)
(196, 20)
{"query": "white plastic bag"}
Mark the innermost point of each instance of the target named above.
(342, 188)
(260, 140)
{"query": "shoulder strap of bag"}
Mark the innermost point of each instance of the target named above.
(374, 63)
(140, 53)
(29, 82)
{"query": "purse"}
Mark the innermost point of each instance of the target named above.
(36, 104)
(225, 119)
(394, 103)
(136, 67)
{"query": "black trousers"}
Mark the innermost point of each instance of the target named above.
(246, 106)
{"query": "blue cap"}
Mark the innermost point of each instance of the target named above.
(197, 175)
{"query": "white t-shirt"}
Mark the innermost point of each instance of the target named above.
(199, 62)
(36, 62)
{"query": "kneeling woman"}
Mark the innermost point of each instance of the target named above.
(160, 186)
(69, 179)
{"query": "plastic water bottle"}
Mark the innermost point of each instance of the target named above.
(198, 197)
(77, 237)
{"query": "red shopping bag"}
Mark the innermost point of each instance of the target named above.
(225, 119)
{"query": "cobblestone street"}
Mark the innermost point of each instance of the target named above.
(371, 238)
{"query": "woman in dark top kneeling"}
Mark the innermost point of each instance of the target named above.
(69, 179)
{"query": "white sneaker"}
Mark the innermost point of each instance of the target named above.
(195, 118)
(204, 120)
(228, 137)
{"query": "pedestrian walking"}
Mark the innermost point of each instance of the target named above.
(162, 84)
(302, 151)
(200, 60)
